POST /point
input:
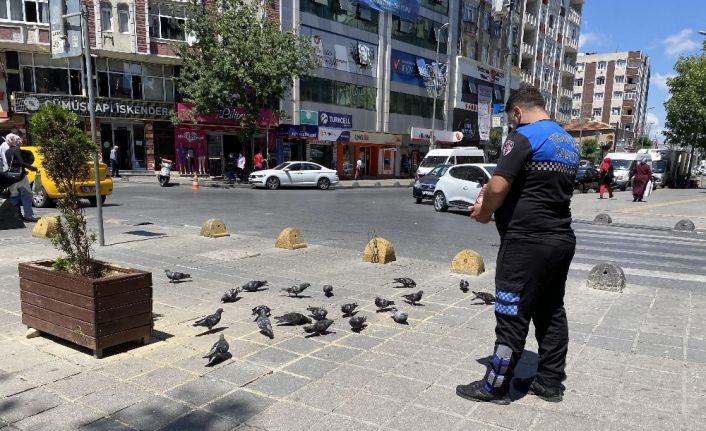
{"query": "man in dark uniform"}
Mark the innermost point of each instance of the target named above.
(529, 193)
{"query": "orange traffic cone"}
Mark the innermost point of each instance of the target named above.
(195, 183)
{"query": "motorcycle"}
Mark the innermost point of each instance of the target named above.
(165, 172)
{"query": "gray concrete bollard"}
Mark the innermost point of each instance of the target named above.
(355, 184)
(606, 276)
(378, 184)
(603, 218)
(397, 184)
(685, 225)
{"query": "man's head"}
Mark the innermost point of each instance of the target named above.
(526, 105)
(13, 140)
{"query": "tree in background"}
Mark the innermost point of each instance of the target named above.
(239, 57)
(588, 148)
(493, 147)
(642, 142)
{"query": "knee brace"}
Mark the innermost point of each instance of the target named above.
(498, 368)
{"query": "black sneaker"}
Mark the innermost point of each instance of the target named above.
(475, 391)
(531, 386)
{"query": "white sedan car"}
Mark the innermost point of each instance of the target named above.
(294, 174)
(460, 185)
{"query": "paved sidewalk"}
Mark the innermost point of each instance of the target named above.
(637, 360)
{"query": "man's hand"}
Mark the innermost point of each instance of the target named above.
(477, 214)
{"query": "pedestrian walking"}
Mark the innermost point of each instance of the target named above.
(358, 167)
(640, 175)
(241, 167)
(115, 162)
(606, 178)
(257, 162)
(20, 191)
(231, 166)
(190, 154)
(529, 193)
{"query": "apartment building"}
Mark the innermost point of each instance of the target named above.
(613, 88)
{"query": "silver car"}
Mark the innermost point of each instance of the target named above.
(460, 185)
(295, 173)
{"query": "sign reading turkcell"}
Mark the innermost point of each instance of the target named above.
(405, 9)
(332, 119)
(65, 33)
(29, 103)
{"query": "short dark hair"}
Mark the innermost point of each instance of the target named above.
(527, 96)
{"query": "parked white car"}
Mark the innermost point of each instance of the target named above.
(460, 185)
(295, 174)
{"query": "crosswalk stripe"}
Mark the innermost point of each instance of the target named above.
(648, 273)
(603, 233)
(628, 261)
(646, 253)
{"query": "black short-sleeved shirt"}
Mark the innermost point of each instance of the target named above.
(541, 159)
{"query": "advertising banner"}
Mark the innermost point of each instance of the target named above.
(485, 102)
(405, 9)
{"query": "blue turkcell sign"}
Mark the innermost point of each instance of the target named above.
(332, 119)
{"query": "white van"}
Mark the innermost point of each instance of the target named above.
(623, 163)
(449, 156)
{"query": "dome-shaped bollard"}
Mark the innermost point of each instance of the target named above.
(290, 239)
(468, 262)
(45, 227)
(214, 228)
(685, 225)
(603, 218)
(606, 276)
(379, 250)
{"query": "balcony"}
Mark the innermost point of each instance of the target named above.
(568, 68)
(565, 92)
(527, 78)
(574, 17)
(530, 20)
(571, 44)
(527, 50)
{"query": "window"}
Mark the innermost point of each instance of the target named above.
(321, 90)
(106, 17)
(25, 10)
(348, 12)
(615, 111)
(597, 112)
(620, 64)
(167, 21)
(577, 96)
(575, 112)
(617, 95)
(496, 58)
(469, 13)
(46, 76)
(420, 33)
(551, 21)
(409, 104)
(619, 79)
(629, 95)
(486, 21)
(598, 96)
(441, 6)
(601, 65)
(484, 54)
(578, 82)
(579, 67)
(123, 18)
(600, 80)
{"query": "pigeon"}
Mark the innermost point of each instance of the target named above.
(487, 298)
(405, 282)
(413, 298)
(318, 313)
(383, 304)
(219, 351)
(296, 290)
(176, 276)
(399, 316)
(357, 322)
(347, 309)
(230, 295)
(210, 321)
(265, 308)
(328, 290)
(254, 285)
(292, 319)
(319, 327)
(263, 322)
(463, 284)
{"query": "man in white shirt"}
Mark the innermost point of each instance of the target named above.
(358, 167)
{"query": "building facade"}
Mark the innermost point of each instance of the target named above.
(613, 88)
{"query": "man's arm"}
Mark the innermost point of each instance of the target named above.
(495, 192)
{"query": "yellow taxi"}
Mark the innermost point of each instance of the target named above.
(50, 192)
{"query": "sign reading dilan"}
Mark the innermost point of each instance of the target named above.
(29, 103)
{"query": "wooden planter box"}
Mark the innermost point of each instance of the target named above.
(94, 313)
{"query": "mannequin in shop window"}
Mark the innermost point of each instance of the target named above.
(202, 160)
(190, 160)
(181, 153)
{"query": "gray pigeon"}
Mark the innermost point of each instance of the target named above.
(265, 308)
(399, 316)
(347, 309)
(405, 282)
(383, 304)
(263, 322)
(176, 276)
(317, 313)
(463, 284)
(319, 327)
(210, 321)
(487, 298)
(230, 295)
(328, 290)
(254, 285)
(357, 322)
(219, 351)
(292, 319)
(296, 290)
(413, 298)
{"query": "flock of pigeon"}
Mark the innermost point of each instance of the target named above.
(320, 324)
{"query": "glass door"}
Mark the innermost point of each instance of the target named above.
(122, 137)
(139, 148)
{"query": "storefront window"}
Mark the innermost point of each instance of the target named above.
(322, 154)
(321, 90)
(421, 33)
(348, 12)
(409, 104)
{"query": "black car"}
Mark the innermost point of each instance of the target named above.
(424, 187)
(586, 178)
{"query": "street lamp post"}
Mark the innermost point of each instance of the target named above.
(435, 70)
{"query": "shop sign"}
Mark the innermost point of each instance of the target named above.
(230, 115)
(302, 131)
(375, 138)
(29, 103)
(331, 119)
(334, 134)
(405, 9)
(190, 137)
(335, 51)
(308, 117)
(470, 107)
(406, 68)
(423, 134)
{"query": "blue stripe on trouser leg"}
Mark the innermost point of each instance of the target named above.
(506, 302)
(498, 367)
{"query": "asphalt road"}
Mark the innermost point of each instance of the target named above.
(341, 218)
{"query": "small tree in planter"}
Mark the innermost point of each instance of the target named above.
(65, 150)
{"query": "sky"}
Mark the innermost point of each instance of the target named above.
(664, 30)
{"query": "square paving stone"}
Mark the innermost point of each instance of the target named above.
(284, 416)
(614, 344)
(272, 357)
(398, 348)
(167, 353)
(552, 420)
(22, 358)
(239, 373)
(398, 388)
(513, 416)
(106, 424)
(660, 350)
(336, 353)
(26, 404)
(201, 420)
(196, 364)
(415, 417)
(376, 361)
(651, 397)
(323, 395)
(151, 413)
(443, 399)
(114, 398)
(162, 379)
(613, 332)
(311, 367)
(11, 384)
(349, 376)
(363, 406)
(201, 391)
(696, 356)
(415, 368)
(66, 416)
(359, 341)
(669, 340)
(239, 405)
(129, 367)
(301, 345)
(279, 384)
(78, 385)
(338, 422)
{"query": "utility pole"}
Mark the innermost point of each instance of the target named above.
(508, 65)
(436, 70)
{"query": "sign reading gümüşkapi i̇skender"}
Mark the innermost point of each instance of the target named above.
(29, 103)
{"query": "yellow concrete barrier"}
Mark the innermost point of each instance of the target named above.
(379, 250)
(468, 262)
(45, 227)
(290, 239)
(214, 228)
